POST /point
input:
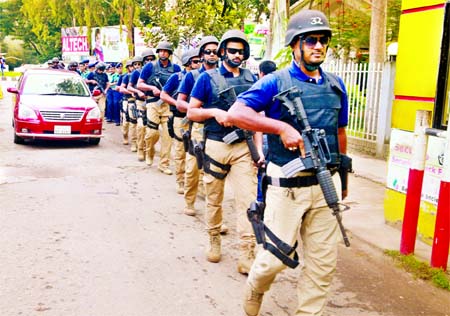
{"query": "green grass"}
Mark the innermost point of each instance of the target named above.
(420, 270)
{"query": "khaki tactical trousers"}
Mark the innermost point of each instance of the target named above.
(193, 179)
(241, 178)
(101, 102)
(179, 153)
(158, 113)
(140, 128)
(288, 212)
(125, 123)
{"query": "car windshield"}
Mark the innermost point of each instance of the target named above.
(55, 84)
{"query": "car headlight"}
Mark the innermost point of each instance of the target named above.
(25, 112)
(94, 113)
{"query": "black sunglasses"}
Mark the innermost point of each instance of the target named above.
(236, 51)
(312, 41)
(209, 51)
(197, 61)
(149, 59)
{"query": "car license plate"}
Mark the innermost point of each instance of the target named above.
(62, 129)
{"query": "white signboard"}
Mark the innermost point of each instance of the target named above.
(109, 43)
(401, 147)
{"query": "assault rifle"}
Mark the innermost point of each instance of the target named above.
(317, 154)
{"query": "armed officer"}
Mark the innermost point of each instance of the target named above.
(226, 153)
(295, 204)
(176, 124)
(147, 56)
(127, 132)
(99, 79)
(138, 98)
(153, 77)
(193, 182)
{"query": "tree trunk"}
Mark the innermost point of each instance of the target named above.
(377, 51)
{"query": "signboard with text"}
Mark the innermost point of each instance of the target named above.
(75, 43)
(401, 147)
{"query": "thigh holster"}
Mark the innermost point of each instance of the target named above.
(207, 161)
(152, 125)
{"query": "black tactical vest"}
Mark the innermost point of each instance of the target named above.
(224, 92)
(101, 79)
(159, 76)
(322, 103)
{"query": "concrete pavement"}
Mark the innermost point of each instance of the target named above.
(365, 219)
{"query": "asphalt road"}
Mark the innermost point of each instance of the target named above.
(90, 231)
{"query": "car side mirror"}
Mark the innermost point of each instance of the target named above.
(12, 90)
(96, 93)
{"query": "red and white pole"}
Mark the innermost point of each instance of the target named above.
(415, 180)
(441, 240)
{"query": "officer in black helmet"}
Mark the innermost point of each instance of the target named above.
(152, 79)
(148, 55)
(294, 200)
(127, 130)
(99, 80)
(73, 66)
(138, 98)
(177, 121)
(227, 154)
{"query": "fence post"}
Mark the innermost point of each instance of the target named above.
(415, 180)
(385, 109)
(441, 240)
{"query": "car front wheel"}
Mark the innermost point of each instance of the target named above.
(18, 140)
(94, 141)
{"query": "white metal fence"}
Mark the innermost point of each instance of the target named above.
(363, 84)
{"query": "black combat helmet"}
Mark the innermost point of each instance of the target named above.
(100, 66)
(210, 39)
(186, 57)
(148, 52)
(164, 45)
(237, 36)
(307, 21)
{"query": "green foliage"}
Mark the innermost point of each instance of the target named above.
(393, 20)
(283, 57)
(420, 270)
(38, 22)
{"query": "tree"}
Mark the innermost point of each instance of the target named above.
(377, 52)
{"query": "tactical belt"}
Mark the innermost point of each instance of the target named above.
(218, 175)
(151, 99)
(219, 138)
(295, 182)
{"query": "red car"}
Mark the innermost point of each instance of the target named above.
(54, 104)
